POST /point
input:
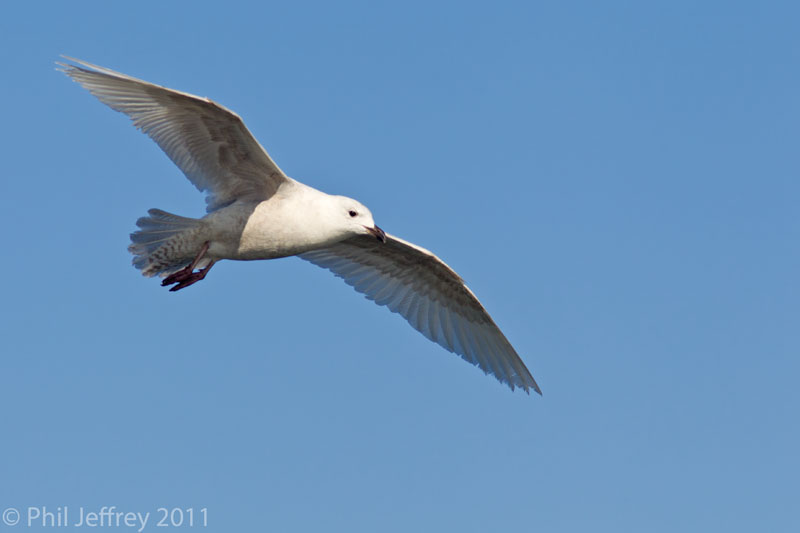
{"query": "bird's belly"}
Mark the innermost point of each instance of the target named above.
(263, 231)
(260, 247)
(249, 245)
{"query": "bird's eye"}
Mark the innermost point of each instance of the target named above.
(353, 213)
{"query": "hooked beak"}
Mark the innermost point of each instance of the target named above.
(377, 232)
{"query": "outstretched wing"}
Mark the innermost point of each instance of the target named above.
(413, 282)
(208, 142)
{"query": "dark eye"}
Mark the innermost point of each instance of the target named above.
(353, 213)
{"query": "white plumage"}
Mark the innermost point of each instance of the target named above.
(256, 212)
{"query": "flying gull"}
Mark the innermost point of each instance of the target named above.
(255, 211)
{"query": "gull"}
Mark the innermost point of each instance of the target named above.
(255, 211)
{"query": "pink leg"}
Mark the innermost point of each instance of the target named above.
(192, 278)
(187, 276)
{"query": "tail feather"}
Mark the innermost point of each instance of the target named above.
(164, 242)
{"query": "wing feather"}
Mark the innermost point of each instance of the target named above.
(413, 282)
(207, 141)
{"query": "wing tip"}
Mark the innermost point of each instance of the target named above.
(64, 66)
(530, 383)
(74, 71)
(80, 63)
(526, 386)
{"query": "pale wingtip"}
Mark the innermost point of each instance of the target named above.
(63, 64)
(527, 389)
(525, 386)
(74, 60)
(81, 65)
(67, 68)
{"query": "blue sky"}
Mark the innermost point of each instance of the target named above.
(617, 181)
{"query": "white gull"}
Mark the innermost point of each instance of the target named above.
(255, 211)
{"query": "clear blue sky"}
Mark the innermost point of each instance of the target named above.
(618, 182)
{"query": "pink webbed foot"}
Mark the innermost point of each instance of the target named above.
(184, 278)
(187, 276)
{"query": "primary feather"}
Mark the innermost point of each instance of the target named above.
(207, 141)
(413, 282)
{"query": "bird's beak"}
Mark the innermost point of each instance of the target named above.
(378, 232)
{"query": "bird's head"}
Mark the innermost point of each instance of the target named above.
(357, 218)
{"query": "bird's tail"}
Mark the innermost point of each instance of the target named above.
(164, 243)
